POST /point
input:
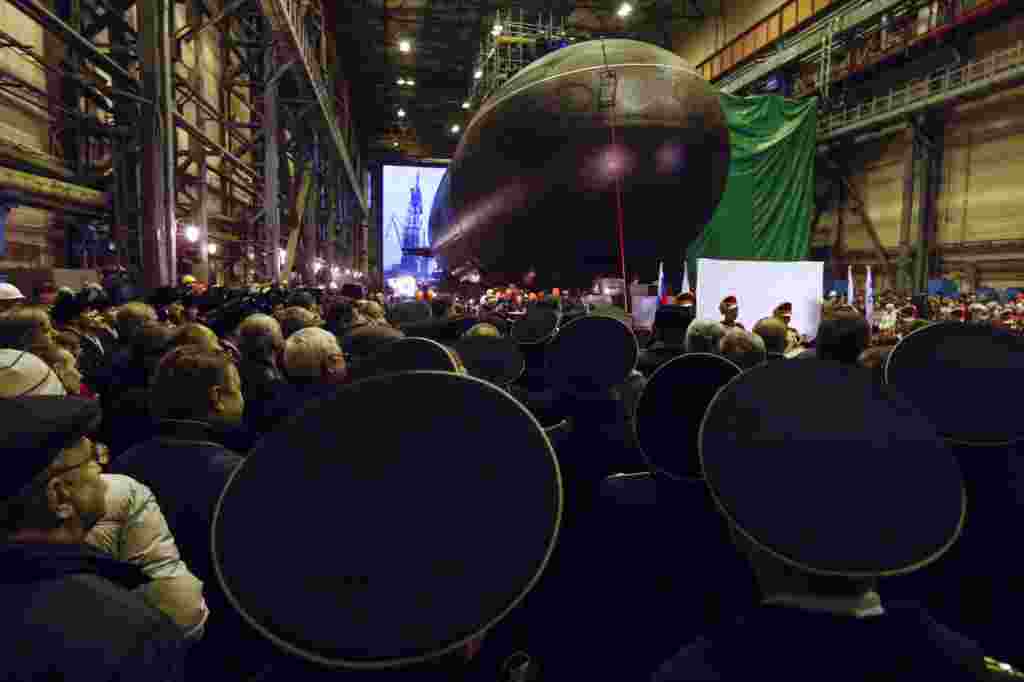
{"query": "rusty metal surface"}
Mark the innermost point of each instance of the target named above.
(533, 181)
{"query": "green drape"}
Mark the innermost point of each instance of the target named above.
(765, 212)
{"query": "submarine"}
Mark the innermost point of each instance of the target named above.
(602, 154)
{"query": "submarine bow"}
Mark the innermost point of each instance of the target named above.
(534, 179)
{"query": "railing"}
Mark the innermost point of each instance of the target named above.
(287, 16)
(736, 74)
(947, 84)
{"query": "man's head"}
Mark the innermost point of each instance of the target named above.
(260, 338)
(26, 328)
(745, 349)
(843, 337)
(10, 297)
(23, 374)
(51, 490)
(295, 318)
(671, 323)
(194, 334)
(131, 317)
(703, 336)
(302, 299)
(784, 312)
(313, 354)
(192, 382)
(772, 331)
(482, 329)
(730, 309)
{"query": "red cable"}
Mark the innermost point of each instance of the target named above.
(618, 214)
(618, 184)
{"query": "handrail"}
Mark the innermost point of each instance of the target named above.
(952, 82)
(806, 41)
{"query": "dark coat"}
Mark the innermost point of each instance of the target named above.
(71, 615)
(263, 386)
(793, 644)
(187, 470)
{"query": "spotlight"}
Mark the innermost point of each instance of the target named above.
(496, 31)
(465, 105)
(395, 145)
(192, 233)
(406, 46)
(401, 113)
(400, 81)
(625, 9)
(211, 249)
(410, 82)
(479, 74)
(455, 129)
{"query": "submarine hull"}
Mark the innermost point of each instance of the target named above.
(577, 139)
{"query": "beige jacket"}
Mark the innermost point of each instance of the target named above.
(134, 531)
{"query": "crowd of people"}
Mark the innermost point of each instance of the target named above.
(787, 477)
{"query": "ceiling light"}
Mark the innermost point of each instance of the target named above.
(479, 74)
(465, 105)
(395, 145)
(211, 249)
(496, 31)
(625, 9)
(400, 81)
(456, 129)
(406, 46)
(192, 233)
(401, 113)
(410, 82)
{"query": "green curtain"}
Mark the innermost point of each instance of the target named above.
(766, 209)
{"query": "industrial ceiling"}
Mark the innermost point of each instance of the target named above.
(444, 40)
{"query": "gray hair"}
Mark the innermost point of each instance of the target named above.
(259, 336)
(307, 351)
(744, 348)
(703, 336)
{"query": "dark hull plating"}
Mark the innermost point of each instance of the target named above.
(532, 184)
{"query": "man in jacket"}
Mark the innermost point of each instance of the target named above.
(72, 612)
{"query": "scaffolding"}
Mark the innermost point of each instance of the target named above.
(515, 39)
(141, 141)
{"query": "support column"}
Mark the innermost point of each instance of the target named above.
(928, 140)
(158, 241)
(271, 160)
(200, 214)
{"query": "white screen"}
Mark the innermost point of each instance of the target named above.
(760, 286)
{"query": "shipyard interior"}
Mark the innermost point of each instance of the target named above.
(511, 342)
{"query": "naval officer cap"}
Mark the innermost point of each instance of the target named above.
(935, 364)
(855, 482)
(422, 541)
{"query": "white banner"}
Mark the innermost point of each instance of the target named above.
(760, 286)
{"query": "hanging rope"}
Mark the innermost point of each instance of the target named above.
(610, 75)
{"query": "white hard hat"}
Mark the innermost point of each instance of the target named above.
(9, 292)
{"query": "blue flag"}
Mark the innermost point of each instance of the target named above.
(661, 281)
